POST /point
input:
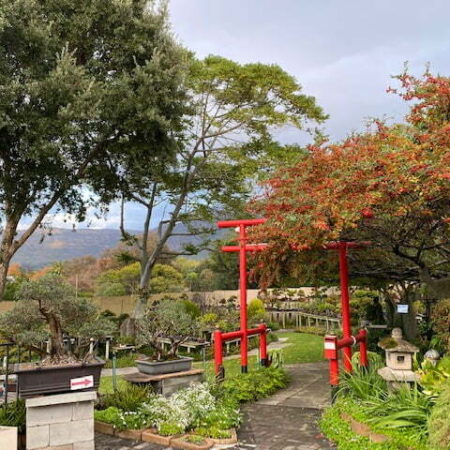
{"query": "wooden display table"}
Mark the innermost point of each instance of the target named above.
(167, 383)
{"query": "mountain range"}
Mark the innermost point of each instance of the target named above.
(63, 244)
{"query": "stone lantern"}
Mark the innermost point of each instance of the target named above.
(399, 360)
(432, 356)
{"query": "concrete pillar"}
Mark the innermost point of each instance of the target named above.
(61, 421)
(8, 437)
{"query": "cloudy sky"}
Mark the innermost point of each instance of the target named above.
(343, 52)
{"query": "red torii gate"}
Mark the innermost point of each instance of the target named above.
(244, 332)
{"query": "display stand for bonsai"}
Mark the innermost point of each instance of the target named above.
(167, 383)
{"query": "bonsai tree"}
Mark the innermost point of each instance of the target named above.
(47, 309)
(168, 319)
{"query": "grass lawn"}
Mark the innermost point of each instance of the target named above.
(304, 348)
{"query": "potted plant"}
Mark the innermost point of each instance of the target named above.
(48, 309)
(164, 328)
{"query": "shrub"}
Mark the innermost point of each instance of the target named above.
(404, 409)
(129, 398)
(256, 311)
(439, 423)
(213, 432)
(194, 439)
(14, 415)
(440, 316)
(169, 428)
(191, 308)
(363, 384)
(432, 379)
(255, 385)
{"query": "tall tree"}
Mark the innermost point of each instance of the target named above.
(398, 174)
(226, 146)
(86, 89)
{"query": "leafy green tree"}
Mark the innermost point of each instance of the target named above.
(125, 281)
(226, 147)
(87, 88)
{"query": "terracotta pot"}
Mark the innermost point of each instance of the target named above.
(151, 435)
(181, 443)
(227, 441)
(104, 428)
(135, 435)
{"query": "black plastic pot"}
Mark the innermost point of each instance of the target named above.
(32, 381)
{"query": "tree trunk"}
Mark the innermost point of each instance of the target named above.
(4, 266)
(141, 303)
(56, 338)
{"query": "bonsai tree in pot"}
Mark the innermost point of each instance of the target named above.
(167, 322)
(47, 309)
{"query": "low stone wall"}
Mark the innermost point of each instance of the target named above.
(61, 421)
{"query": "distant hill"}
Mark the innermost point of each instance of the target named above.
(64, 244)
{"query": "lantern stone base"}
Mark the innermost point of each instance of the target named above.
(61, 421)
(397, 378)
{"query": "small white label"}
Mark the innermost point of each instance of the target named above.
(330, 346)
(81, 383)
(402, 309)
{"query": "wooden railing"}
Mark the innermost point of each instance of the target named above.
(301, 319)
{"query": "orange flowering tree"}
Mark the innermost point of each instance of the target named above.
(389, 185)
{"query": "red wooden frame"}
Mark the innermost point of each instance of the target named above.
(243, 333)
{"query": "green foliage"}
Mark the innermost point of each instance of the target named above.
(14, 415)
(167, 319)
(165, 278)
(432, 378)
(404, 409)
(256, 311)
(441, 318)
(338, 430)
(439, 423)
(121, 420)
(213, 432)
(170, 429)
(363, 384)
(194, 439)
(276, 358)
(375, 360)
(191, 308)
(49, 307)
(256, 385)
(127, 398)
(102, 83)
(109, 415)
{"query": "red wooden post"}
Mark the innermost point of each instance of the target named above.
(345, 303)
(218, 356)
(243, 297)
(263, 345)
(363, 360)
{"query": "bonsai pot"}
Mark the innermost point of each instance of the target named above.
(34, 380)
(150, 367)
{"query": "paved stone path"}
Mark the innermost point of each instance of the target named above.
(284, 421)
